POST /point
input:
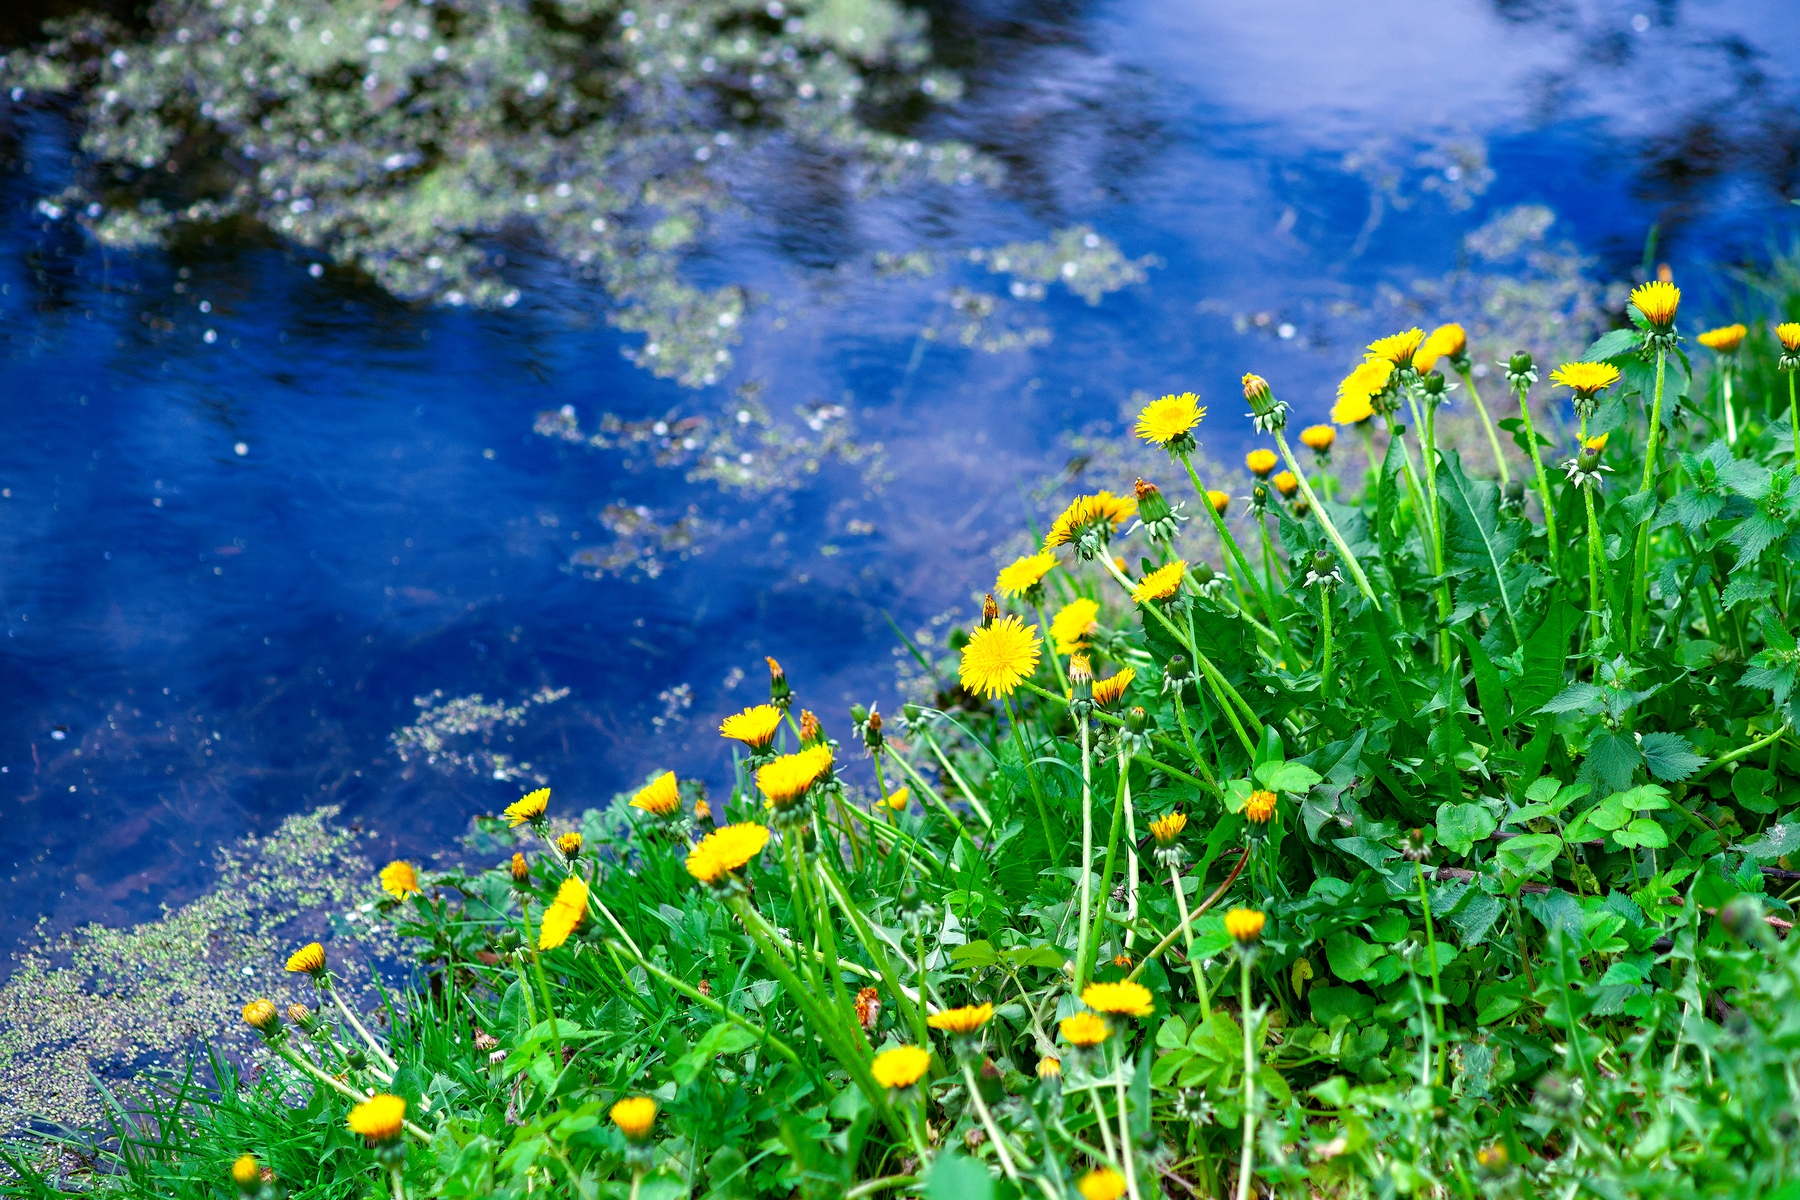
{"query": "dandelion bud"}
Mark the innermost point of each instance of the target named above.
(1260, 807)
(1319, 439)
(990, 612)
(858, 714)
(1245, 925)
(1256, 388)
(911, 898)
(261, 1016)
(1219, 500)
(1136, 719)
(780, 694)
(1515, 491)
(521, 870)
(246, 1174)
(379, 1119)
(1261, 462)
(1177, 667)
(868, 1008)
(1520, 374)
(872, 735)
(300, 1015)
(1049, 1067)
(1259, 499)
(1520, 362)
(570, 845)
(811, 732)
(1287, 483)
(702, 810)
(635, 1117)
(910, 712)
(1492, 1161)
(1788, 334)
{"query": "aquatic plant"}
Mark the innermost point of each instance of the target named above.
(424, 142)
(1441, 850)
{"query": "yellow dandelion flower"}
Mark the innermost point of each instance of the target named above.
(1161, 583)
(1072, 624)
(260, 1014)
(901, 1066)
(1123, 961)
(1219, 500)
(963, 1021)
(1124, 999)
(726, 850)
(379, 1118)
(1021, 576)
(245, 1172)
(565, 914)
(521, 870)
(1397, 348)
(1084, 1029)
(1657, 300)
(1584, 378)
(1103, 1183)
(307, 959)
(786, 779)
(1724, 340)
(570, 844)
(1352, 410)
(1318, 438)
(1597, 443)
(1260, 807)
(1085, 511)
(1244, 924)
(897, 801)
(1049, 1067)
(755, 727)
(1166, 829)
(635, 1116)
(1788, 333)
(1261, 462)
(1170, 419)
(1446, 341)
(1107, 691)
(1286, 483)
(997, 658)
(399, 879)
(529, 807)
(660, 797)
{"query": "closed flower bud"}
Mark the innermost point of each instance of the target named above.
(1740, 917)
(570, 844)
(858, 714)
(1433, 383)
(1136, 719)
(1256, 388)
(780, 694)
(300, 1015)
(811, 732)
(521, 870)
(261, 1016)
(990, 612)
(911, 898)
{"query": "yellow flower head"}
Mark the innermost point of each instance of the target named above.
(521, 870)
(1070, 627)
(1049, 1067)
(570, 844)
(1102, 1183)
(961, 1021)
(1084, 1029)
(1352, 410)
(1219, 500)
(635, 1116)
(307, 959)
(1107, 691)
(1446, 341)
(660, 797)
(1286, 483)
(400, 880)
(260, 1015)
(901, 1066)
(898, 800)
(1255, 387)
(1318, 438)
(1086, 511)
(1124, 999)
(1788, 333)
(997, 658)
(755, 727)
(1658, 301)
(1586, 379)
(1260, 807)
(378, 1118)
(1020, 577)
(564, 915)
(245, 1172)
(1397, 348)
(1597, 443)
(1166, 829)
(1359, 388)
(785, 780)
(1261, 462)
(1170, 419)
(1724, 340)
(1161, 583)
(702, 811)
(726, 850)
(1244, 924)
(529, 807)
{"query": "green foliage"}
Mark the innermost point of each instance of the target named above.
(1519, 838)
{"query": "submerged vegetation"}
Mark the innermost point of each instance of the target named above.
(1434, 840)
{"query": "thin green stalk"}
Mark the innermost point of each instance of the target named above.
(1325, 521)
(1486, 424)
(1087, 857)
(1092, 940)
(1543, 479)
(398, 1179)
(1250, 1015)
(1268, 555)
(912, 1014)
(1740, 752)
(1595, 555)
(1102, 715)
(1431, 946)
(1640, 584)
(1062, 672)
(537, 971)
(1731, 432)
(1325, 630)
(987, 1122)
(1237, 554)
(1187, 932)
(381, 1055)
(713, 1006)
(1131, 1184)
(1447, 655)
(932, 796)
(956, 777)
(1037, 791)
(1187, 925)
(354, 1095)
(1793, 409)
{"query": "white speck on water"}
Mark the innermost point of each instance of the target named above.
(242, 449)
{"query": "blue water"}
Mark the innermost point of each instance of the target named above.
(250, 514)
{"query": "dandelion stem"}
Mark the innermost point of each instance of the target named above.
(1793, 409)
(1330, 527)
(1087, 857)
(913, 1014)
(987, 1122)
(1543, 481)
(1250, 1015)
(1121, 797)
(1231, 547)
(956, 777)
(1725, 400)
(1325, 629)
(713, 1006)
(398, 1179)
(1187, 924)
(345, 1090)
(1486, 424)
(350, 1016)
(1186, 929)
(1640, 583)
(1037, 791)
(1594, 556)
(537, 972)
(1131, 1185)
(936, 799)
(1431, 948)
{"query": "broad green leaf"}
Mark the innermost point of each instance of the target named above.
(1480, 539)
(1287, 777)
(1460, 826)
(1612, 758)
(1613, 344)
(1574, 698)
(954, 1177)
(1351, 957)
(1750, 788)
(1642, 832)
(975, 955)
(1775, 843)
(1531, 853)
(1545, 652)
